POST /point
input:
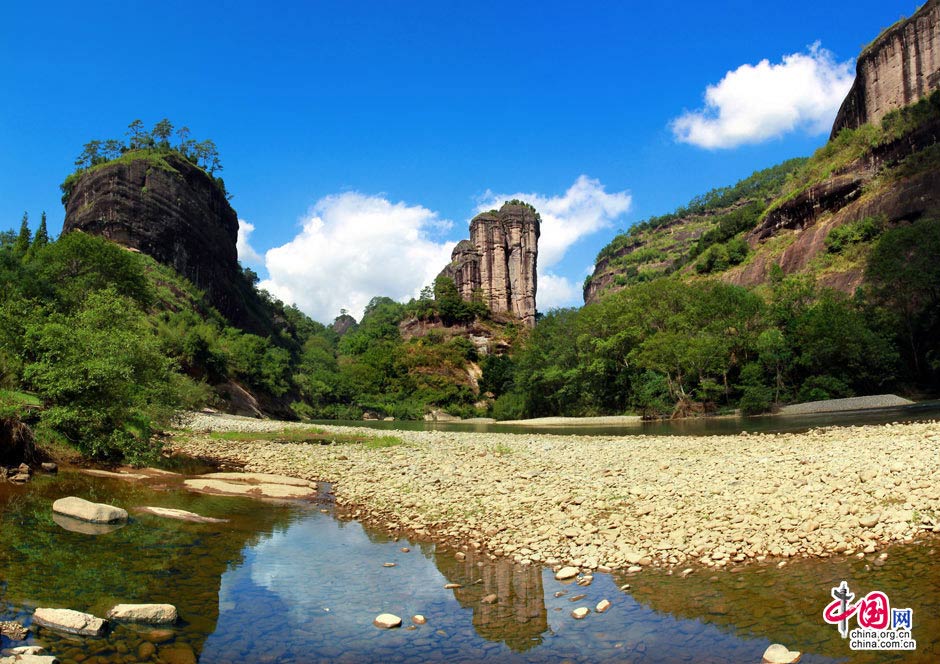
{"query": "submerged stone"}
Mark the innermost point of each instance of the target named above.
(69, 621)
(180, 515)
(85, 527)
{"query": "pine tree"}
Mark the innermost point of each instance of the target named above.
(40, 240)
(22, 240)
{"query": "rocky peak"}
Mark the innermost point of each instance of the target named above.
(499, 260)
(899, 68)
(166, 207)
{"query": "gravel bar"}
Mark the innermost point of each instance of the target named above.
(620, 502)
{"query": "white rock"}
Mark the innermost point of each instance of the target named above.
(780, 654)
(153, 614)
(566, 573)
(602, 606)
(418, 619)
(79, 508)
(179, 515)
(72, 622)
(24, 650)
(580, 612)
(387, 621)
(263, 490)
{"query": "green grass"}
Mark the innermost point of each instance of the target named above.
(19, 398)
(292, 435)
(502, 449)
(306, 435)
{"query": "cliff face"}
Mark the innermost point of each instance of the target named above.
(899, 68)
(500, 260)
(171, 210)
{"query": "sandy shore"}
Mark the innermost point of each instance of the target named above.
(622, 502)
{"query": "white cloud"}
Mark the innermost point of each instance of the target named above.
(246, 253)
(353, 247)
(755, 103)
(556, 291)
(584, 209)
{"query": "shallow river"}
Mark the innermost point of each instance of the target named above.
(297, 583)
(694, 426)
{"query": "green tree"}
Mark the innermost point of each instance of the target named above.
(162, 131)
(23, 238)
(40, 240)
(101, 376)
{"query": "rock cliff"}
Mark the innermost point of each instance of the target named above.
(162, 205)
(499, 260)
(900, 67)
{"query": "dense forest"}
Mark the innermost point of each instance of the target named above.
(99, 346)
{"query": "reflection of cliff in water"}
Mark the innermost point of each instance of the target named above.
(785, 605)
(148, 560)
(518, 617)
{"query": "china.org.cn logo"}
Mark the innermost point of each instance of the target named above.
(880, 627)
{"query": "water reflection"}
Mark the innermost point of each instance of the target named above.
(517, 615)
(288, 584)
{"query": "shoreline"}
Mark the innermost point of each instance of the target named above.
(619, 503)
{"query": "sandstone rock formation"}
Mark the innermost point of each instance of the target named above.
(499, 260)
(171, 210)
(897, 69)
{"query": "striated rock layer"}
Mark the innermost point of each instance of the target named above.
(174, 212)
(499, 260)
(899, 68)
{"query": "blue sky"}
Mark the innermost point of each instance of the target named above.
(358, 138)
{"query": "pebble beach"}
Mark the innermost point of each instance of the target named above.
(617, 503)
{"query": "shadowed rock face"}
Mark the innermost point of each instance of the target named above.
(176, 214)
(899, 68)
(500, 260)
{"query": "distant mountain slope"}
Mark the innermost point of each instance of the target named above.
(821, 216)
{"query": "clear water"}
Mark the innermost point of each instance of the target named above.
(297, 583)
(701, 426)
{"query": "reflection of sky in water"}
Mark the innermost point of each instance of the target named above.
(311, 591)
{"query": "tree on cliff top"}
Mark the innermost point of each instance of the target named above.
(204, 154)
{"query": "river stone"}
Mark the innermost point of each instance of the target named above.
(107, 473)
(260, 478)
(177, 654)
(580, 612)
(13, 630)
(418, 619)
(566, 573)
(29, 659)
(602, 606)
(490, 599)
(79, 508)
(780, 654)
(387, 621)
(869, 521)
(50, 467)
(69, 621)
(85, 527)
(145, 650)
(263, 490)
(152, 614)
(180, 515)
(24, 650)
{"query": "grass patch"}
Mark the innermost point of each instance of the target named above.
(292, 435)
(19, 398)
(311, 436)
(376, 443)
(502, 449)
